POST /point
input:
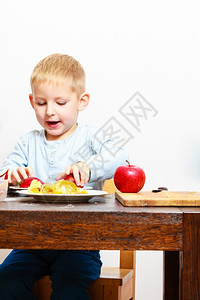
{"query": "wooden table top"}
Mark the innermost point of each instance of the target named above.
(102, 223)
(107, 203)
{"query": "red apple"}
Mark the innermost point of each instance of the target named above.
(26, 182)
(68, 177)
(129, 178)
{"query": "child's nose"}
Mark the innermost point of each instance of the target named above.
(50, 110)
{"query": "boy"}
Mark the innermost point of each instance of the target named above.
(62, 146)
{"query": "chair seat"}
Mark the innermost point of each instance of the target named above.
(114, 276)
(113, 284)
(110, 277)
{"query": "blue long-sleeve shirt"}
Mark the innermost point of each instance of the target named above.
(49, 158)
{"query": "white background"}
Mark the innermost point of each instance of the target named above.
(125, 46)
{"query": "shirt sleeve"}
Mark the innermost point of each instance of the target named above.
(16, 158)
(107, 157)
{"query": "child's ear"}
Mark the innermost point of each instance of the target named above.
(31, 100)
(83, 101)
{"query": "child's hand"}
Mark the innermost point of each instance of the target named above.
(80, 171)
(19, 174)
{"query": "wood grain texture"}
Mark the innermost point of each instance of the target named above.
(93, 226)
(106, 224)
(163, 198)
(190, 275)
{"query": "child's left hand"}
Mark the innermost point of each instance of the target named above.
(80, 171)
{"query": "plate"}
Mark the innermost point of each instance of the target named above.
(16, 188)
(64, 197)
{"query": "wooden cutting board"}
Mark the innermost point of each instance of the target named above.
(163, 198)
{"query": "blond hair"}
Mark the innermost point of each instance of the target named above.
(58, 67)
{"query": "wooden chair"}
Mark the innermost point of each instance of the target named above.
(114, 283)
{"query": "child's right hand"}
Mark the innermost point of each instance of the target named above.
(19, 174)
(80, 171)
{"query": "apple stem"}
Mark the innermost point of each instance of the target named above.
(128, 163)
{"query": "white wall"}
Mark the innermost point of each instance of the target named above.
(152, 47)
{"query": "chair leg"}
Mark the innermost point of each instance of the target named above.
(126, 291)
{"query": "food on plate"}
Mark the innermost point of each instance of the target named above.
(59, 187)
(68, 177)
(35, 186)
(129, 178)
(26, 182)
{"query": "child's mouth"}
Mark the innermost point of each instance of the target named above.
(53, 124)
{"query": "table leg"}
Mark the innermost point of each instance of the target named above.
(190, 283)
(171, 275)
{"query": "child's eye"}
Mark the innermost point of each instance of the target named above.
(41, 103)
(61, 103)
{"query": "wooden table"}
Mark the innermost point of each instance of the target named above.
(105, 224)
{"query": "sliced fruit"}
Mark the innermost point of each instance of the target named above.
(35, 186)
(27, 182)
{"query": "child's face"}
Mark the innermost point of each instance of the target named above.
(56, 108)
